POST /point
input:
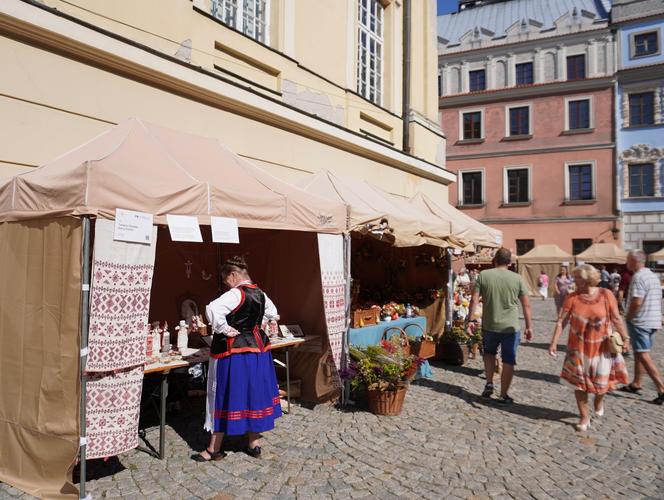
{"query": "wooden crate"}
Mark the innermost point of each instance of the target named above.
(366, 317)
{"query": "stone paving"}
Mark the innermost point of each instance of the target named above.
(448, 443)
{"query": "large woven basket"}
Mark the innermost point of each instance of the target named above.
(389, 403)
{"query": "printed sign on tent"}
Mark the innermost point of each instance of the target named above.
(132, 226)
(224, 230)
(184, 228)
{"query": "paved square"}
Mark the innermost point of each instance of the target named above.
(448, 443)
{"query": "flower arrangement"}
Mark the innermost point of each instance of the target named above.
(382, 367)
(394, 310)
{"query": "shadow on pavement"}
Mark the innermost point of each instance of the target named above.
(528, 411)
(542, 345)
(99, 468)
(531, 375)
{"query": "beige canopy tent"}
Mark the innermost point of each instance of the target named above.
(603, 253)
(547, 258)
(464, 228)
(45, 250)
(657, 256)
(368, 205)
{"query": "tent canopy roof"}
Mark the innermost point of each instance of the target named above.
(140, 166)
(369, 204)
(656, 256)
(603, 253)
(463, 227)
(544, 254)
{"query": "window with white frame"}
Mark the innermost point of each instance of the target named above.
(518, 120)
(580, 181)
(370, 50)
(578, 113)
(471, 124)
(248, 16)
(471, 187)
(516, 185)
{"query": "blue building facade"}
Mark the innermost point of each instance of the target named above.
(639, 122)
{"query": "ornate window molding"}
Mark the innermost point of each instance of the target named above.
(639, 154)
(657, 88)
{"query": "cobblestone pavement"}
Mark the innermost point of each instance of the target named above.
(448, 443)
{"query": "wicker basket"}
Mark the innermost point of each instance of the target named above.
(405, 345)
(423, 348)
(389, 403)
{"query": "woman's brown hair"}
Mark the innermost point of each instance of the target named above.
(235, 264)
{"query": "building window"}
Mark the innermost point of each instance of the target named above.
(641, 109)
(519, 120)
(641, 180)
(471, 185)
(524, 73)
(578, 113)
(248, 16)
(370, 56)
(524, 246)
(576, 67)
(580, 182)
(517, 185)
(477, 80)
(472, 125)
(581, 245)
(644, 44)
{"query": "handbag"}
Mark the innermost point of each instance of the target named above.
(616, 342)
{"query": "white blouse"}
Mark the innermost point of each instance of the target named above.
(217, 310)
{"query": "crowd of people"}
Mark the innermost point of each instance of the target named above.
(607, 314)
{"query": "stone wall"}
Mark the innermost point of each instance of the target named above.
(642, 227)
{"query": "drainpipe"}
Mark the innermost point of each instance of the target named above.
(405, 101)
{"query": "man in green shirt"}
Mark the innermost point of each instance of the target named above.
(501, 291)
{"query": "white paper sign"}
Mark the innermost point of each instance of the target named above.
(132, 226)
(289, 331)
(184, 228)
(224, 230)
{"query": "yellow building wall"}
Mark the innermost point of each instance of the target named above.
(312, 64)
(50, 104)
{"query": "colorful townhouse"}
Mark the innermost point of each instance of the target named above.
(639, 117)
(527, 102)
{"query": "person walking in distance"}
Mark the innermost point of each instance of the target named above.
(644, 318)
(543, 285)
(501, 291)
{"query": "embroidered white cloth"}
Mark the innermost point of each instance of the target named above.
(119, 300)
(331, 256)
(112, 409)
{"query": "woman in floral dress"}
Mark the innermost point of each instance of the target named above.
(589, 365)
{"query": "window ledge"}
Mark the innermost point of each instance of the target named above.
(576, 131)
(648, 125)
(521, 137)
(469, 141)
(580, 202)
(516, 204)
(653, 197)
(480, 205)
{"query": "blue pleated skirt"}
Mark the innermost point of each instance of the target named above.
(243, 395)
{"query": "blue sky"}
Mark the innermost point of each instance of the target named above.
(446, 6)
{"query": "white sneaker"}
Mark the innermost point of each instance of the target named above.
(582, 427)
(600, 412)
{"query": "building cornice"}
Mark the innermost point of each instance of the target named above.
(525, 91)
(534, 42)
(640, 73)
(519, 152)
(49, 29)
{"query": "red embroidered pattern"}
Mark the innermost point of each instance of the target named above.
(119, 307)
(334, 302)
(242, 414)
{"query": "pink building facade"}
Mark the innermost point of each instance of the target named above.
(527, 109)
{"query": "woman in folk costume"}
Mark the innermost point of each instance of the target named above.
(243, 396)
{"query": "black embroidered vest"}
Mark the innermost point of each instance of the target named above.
(246, 318)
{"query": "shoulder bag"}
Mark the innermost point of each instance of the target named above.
(616, 342)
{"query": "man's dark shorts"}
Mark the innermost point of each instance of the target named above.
(508, 343)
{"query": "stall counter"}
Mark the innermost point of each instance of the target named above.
(371, 335)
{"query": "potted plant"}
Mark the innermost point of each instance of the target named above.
(475, 339)
(384, 372)
(452, 346)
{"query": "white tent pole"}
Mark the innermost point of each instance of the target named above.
(449, 297)
(344, 346)
(85, 321)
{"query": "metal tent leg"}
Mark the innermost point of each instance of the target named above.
(85, 321)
